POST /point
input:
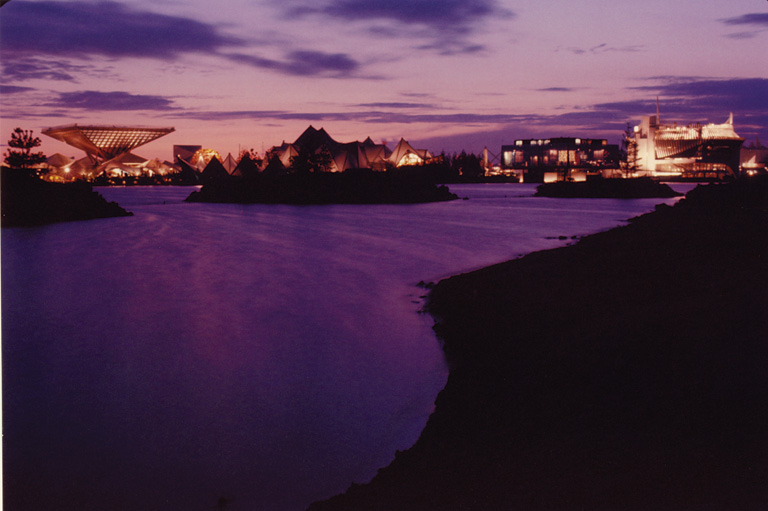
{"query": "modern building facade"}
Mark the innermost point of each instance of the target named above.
(754, 157)
(552, 159)
(695, 151)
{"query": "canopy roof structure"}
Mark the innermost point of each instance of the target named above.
(103, 143)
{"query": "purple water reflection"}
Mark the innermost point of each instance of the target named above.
(267, 354)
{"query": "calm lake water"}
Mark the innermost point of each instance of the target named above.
(269, 355)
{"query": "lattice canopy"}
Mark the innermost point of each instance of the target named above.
(104, 143)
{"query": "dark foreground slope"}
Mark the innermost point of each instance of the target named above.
(28, 201)
(324, 188)
(626, 372)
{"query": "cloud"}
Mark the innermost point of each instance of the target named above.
(369, 116)
(443, 15)
(603, 48)
(703, 95)
(111, 101)
(102, 28)
(447, 24)
(752, 20)
(557, 89)
(681, 99)
(303, 63)
(31, 68)
(760, 19)
(14, 89)
(395, 105)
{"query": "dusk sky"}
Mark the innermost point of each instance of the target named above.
(444, 74)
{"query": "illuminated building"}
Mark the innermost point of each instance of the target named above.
(551, 159)
(693, 151)
(202, 158)
(107, 147)
(754, 157)
(185, 152)
(350, 155)
(404, 154)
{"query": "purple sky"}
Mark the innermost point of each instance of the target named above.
(444, 74)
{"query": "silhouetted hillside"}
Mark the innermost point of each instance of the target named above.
(28, 201)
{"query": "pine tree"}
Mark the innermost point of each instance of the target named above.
(21, 156)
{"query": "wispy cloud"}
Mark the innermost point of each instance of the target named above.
(369, 116)
(102, 28)
(556, 89)
(31, 68)
(14, 89)
(759, 18)
(303, 63)
(29, 30)
(111, 101)
(442, 15)
(448, 25)
(395, 105)
(701, 95)
(603, 48)
(757, 21)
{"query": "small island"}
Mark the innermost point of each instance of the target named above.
(358, 186)
(607, 188)
(29, 201)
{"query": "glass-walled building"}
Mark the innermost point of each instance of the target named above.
(552, 159)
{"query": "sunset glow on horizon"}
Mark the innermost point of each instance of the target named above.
(446, 75)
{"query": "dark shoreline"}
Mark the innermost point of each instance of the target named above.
(28, 201)
(350, 187)
(625, 372)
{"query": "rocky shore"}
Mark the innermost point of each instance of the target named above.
(29, 201)
(625, 372)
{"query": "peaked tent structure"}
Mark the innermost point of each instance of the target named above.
(213, 171)
(246, 167)
(229, 163)
(405, 154)
(346, 156)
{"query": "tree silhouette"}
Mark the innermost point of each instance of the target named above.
(21, 156)
(307, 161)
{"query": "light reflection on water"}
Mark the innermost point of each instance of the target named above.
(268, 354)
